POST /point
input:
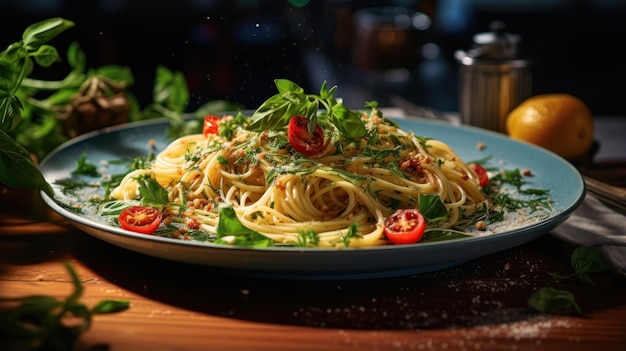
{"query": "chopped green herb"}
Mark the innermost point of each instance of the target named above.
(84, 167)
(222, 160)
(353, 232)
(307, 237)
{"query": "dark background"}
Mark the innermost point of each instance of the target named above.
(235, 49)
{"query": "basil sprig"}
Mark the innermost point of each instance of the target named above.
(554, 301)
(16, 62)
(291, 100)
(42, 322)
(585, 260)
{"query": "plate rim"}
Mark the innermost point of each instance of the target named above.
(544, 226)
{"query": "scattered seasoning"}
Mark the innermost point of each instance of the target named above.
(480, 146)
(480, 225)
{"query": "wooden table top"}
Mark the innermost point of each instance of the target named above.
(479, 305)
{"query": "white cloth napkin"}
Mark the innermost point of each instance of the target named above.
(596, 225)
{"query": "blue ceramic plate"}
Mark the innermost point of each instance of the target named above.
(130, 140)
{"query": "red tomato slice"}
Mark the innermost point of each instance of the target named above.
(405, 227)
(483, 176)
(211, 125)
(140, 219)
(301, 140)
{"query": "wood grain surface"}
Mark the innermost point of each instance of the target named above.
(479, 305)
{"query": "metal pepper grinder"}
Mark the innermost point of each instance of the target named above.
(494, 78)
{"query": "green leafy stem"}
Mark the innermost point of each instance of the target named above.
(584, 260)
(46, 323)
(322, 108)
(16, 63)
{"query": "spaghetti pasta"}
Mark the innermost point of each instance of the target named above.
(341, 195)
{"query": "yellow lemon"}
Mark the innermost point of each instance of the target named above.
(561, 123)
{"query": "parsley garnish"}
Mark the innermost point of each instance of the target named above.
(152, 193)
(84, 167)
(307, 237)
(353, 232)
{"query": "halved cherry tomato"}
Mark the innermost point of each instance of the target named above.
(483, 176)
(140, 219)
(211, 125)
(405, 226)
(301, 140)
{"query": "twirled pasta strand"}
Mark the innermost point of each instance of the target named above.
(327, 194)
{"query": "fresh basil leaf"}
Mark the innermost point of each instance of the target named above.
(551, 300)
(76, 57)
(432, 208)
(326, 93)
(311, 110)
(347, 122)
(296, 98)
(46, 55)
(162, 84)
(10, 113)
(273, 114)
(13, 54)
(41, 32)
(120, 74)
(17, 169)
(170, 95)
(285, 86)
(229, 225)
(178, 93)
(588, 260)
(584, 260)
